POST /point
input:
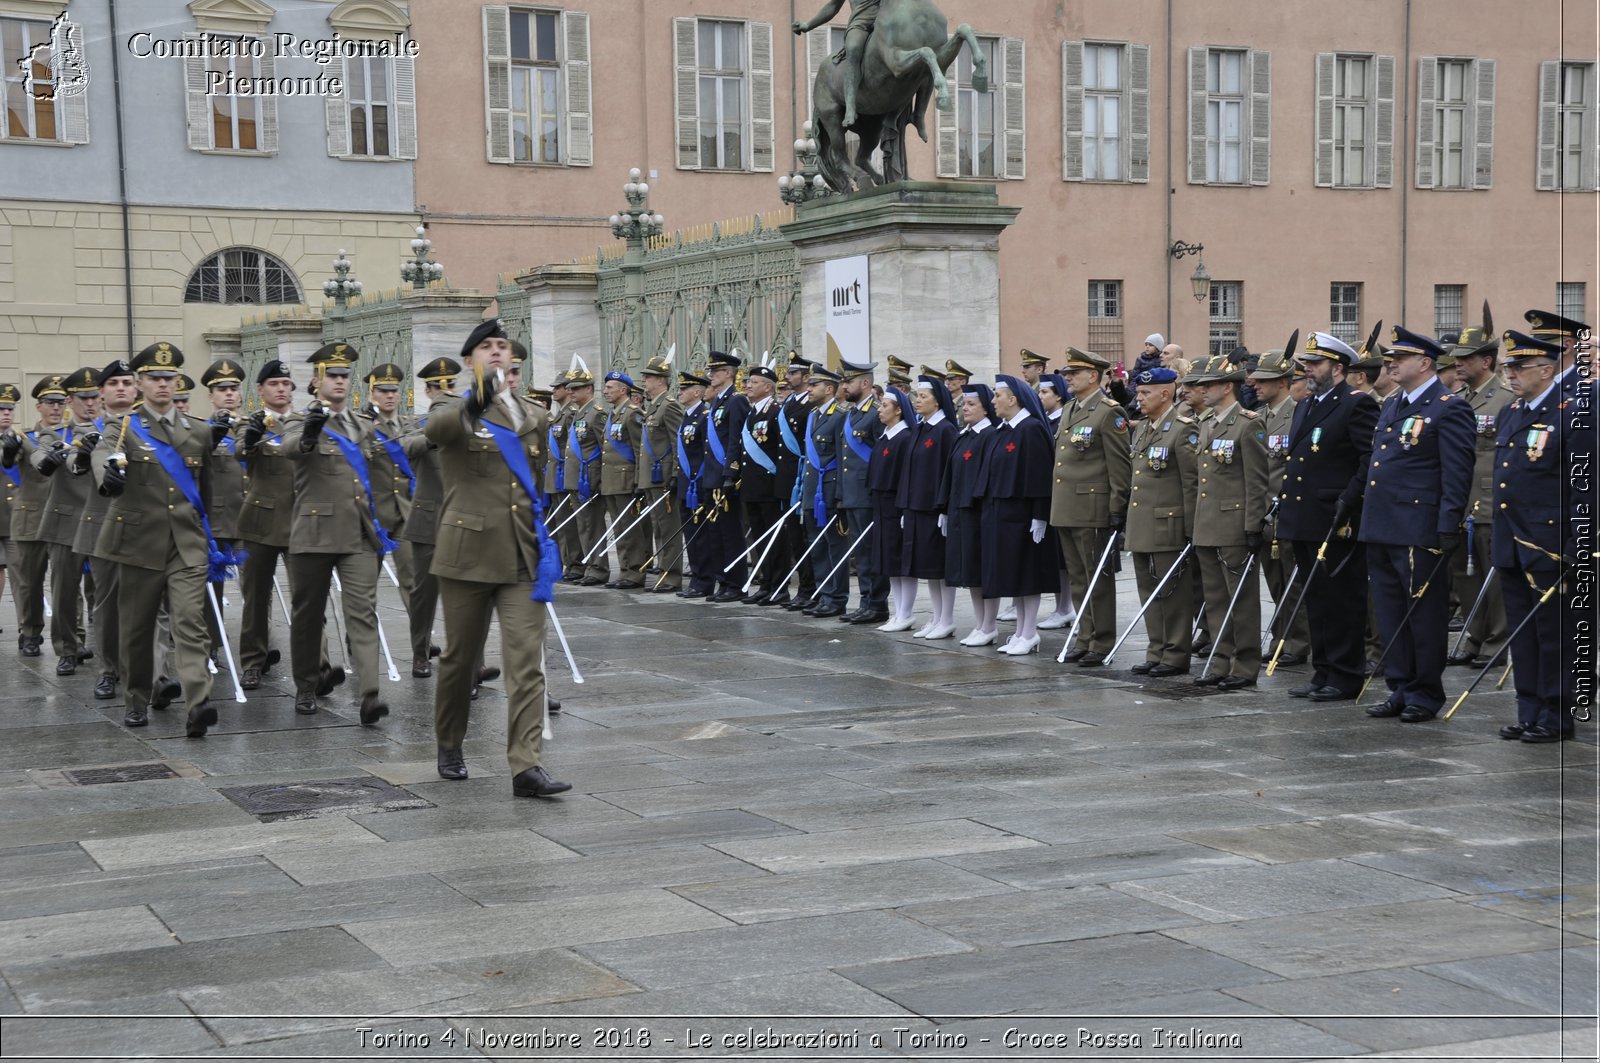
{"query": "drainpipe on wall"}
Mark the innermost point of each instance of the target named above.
(794, 73)
(1404, 175)
(1166, 259)
(122, 178)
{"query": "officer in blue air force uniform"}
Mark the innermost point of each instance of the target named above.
(819, 495)
(859, 432)
(726, 412)
(1534, 494)
(1416, 498)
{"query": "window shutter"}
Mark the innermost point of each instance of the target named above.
(405, 107)
(816, 55)
(268, 139)
(1197, 116)
(947, 134)
(1326, 64)
(497, 81)
(1483, 126)
(336, 110)
(579, 89)
(1383, 126)
(197, 107)
(1260, 116)
(1591, 133)
(762, 146)
(75, 106)
(1549, 123)
(1072, 110)
(686, 91)
(1138, 116)
(1427, 76)
(1014, 107)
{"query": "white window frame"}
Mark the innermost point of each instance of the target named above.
(1352, 108)
(239, 67)
(1208, 111)
(713, 70)
(1575, 120)
(1100, 101)
(530, 75)
(970, 103)
(1225, 331)
(1475, 111)
(1223, 105)
(218, 263)
(1133, 112)
(366, 104)
(1007, 94)
(574, 104)
(757, 148)
(1344, 311)
(1336, 104)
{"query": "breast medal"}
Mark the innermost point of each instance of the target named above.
(1538, 437)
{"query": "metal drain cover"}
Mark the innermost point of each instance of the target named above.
(271, 802)
(1180, 691)
(123, 773)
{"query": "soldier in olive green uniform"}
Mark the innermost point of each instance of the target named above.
(623, 434)
(30, 555)
(586, 426)
(119, 389)
(493, 550)
(10, 478)
(658, 467)
(1229, 511)
(563, 489)
(63, 510)
(1093, 476)
(154, 467)
(1271, 380)
(334, 530)
(223, 380)
(399, 443)
(1161, 519)
(422, 528)
(1488, 395)
(265, 516)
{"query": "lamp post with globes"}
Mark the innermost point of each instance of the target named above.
(341, 286)
(805, 182)
(636, 224)
(418, 270)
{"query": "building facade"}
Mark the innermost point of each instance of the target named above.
(1339, 164)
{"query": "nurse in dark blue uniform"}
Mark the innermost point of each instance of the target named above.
(1016, 482)
(923, 544)
(886, 468)
(962, 505)
(1054, 396)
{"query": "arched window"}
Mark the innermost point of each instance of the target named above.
(242, 275)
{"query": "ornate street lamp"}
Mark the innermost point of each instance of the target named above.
(637, 222)
(1199, 280)
(418, 270)
(805, 182)
(341, 286)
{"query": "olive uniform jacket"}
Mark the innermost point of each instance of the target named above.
(585, 425)
(422, 526)
(69, 494)
(227, 486)
(1488, 404)
(268, 509)
(332, 511)
(1232, 499)
(486, 532)
(391, 487)
(150, 520)
(625, 426)
(95, 506)
(658, 457)
(1277, 421)
(1161, 501)
(1094, 466)
(30, 500)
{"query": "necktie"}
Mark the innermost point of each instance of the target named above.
(513, 411)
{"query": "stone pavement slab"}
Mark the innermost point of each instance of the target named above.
(54, 937)
(1232, 894)
(868, 845)
(763, 898)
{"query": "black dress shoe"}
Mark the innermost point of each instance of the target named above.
(592, 581)
(105, 688)
(135, 718)
(487, 674)
(1418, 714)
(628, 585)
(1304, 690)
(1332, 693)
(783, 599)
(823, 612)
(305, 704)
(692, 593)
(251, 680)
(612, 585)
(1200, 647)
(552, 704)
(28, 646)
(328, 679)
(754, 598)
(1457, 623)
(870, 616)
(1142, 669)
(1091, 660)
(66, 666)
(1290, 660)
(1537, 734)
(723, 597)
(535, 783)
(1482, 660)
(273, 657)
(1162, 671)
(1512, 731)
(166, 692)
(1460, 660)
(421, 669)
(85, 656)
(474, 695)
(451, 764)
(372, 710)
(1385, 709)
(794, 605)
(1075, 656)
(433, 651)
(1208, 681)
(1236, 682)
(201, 717)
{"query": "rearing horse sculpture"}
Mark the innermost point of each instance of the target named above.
(903, 68)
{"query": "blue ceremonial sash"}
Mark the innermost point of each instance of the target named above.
(167, 454)
(558, 454)
(585, 489)
(650, 453)
(691, 496)
(787, 433)
(863, 450)
(352, 454)
(397, 454)
(713, 441)
(753, 448)
(516, 459)
(618, 445)
(14, 475)
(819, 505)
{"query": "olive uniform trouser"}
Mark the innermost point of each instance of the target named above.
(1488, 625)
(1082, 548)
(1277, 571)
(139, 598)
(310, 581)
(255, 586)
(563, 505)
(591, 525)
(106, 620)
(467, 608)
(662, 526)
(422, 603)
(632, 551)
(28, 563)
(1238, 643)
(1169, 618)
(66, 611)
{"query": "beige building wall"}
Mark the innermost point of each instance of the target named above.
(62, 285)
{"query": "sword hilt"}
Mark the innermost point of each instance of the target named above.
(1272, 665)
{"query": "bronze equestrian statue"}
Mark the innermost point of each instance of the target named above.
(895, 55)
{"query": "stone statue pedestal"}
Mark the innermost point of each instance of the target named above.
(934, 269)
(440, 320)
(562, 320)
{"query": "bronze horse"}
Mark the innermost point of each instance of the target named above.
(906, 57)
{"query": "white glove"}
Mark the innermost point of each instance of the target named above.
(944, 525)
(1037, 528)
